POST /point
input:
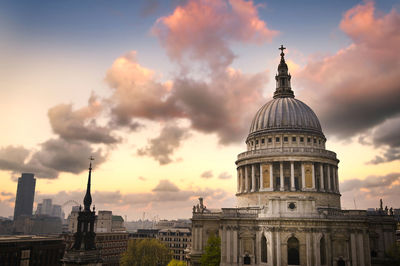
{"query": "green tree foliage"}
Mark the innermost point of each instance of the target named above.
(176, 263)
(149, 252)
(392, 256)
(212, 253)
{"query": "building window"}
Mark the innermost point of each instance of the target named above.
(264, 250)
(315, 141)
(293, 139)
(301, 139)
(257, 142)
(322, 250)
(262, 141)
(269, 140)
(308, 140)
(246, 260)
(293, 251)
(319, 141)
(277, 139)
(285, 139)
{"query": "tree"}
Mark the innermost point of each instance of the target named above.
(212, 253)
(176, 263)
(392, 256)
(149, 252)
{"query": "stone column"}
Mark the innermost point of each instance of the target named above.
(261, 183)
(201, 238)
(333, 179)
(293, 187)
(228, 246)
(253, 178)
(278, 249)
(281, 176)
(303, 177)
(337, 179)
(329, 177)
(222, 236)
(271, 177)
(308, 249)
(313, 176)
(322, 177)
(235, 246)
(246, 178)
(238, 180)
(353, 250)
(361, 248)
(194, 238)
(317, 255)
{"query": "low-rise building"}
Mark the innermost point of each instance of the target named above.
(177, 240)
(31, 250)
(111, 246)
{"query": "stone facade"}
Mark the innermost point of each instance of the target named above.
(288, 198)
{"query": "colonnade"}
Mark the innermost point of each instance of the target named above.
(253, 177)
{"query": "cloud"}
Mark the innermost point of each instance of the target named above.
(224, 105)
(202, 30)
(166, 186)
(66, 156)
(165, 197)
(357, 88)
(6, 194)
(137, 93)
(207, 174)
(224, 175)
(80, 124)
(370, 182)
(163, 146)
(53, 157)
(367, 192)
(142, 178)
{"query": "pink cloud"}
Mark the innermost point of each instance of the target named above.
(357, 88)
(203, 29)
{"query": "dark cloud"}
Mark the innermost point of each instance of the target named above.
(6, 194)
(366, 193)
(370, 182)
(67, 156)
(207, 174)
(54, 156)
(224, 175)
(389, 155)
(80, 124)
(357, 88)
(163, 146)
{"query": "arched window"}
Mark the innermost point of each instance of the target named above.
(293, 251)
(341, 262)
(322, 250)
(264, 249)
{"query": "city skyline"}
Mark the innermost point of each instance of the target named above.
(162, 95)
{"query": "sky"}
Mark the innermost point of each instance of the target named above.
(162, 94)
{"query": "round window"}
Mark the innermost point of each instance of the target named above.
(292, 205)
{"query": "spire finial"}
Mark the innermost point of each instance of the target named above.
(87, 201)
(282, 48)
(283, 88)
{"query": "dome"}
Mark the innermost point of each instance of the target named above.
(285, 114)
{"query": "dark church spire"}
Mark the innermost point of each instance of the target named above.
(87, 201)
(283, 77)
